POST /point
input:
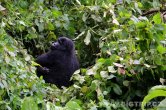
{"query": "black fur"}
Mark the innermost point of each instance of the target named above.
(59, 63)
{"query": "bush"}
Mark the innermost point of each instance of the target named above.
(120, 46)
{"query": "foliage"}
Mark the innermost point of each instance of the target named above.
(121, 51)
(17, 76)
(155, 92)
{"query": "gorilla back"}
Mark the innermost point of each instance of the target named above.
(59, 63)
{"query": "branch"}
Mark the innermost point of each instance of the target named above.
(153, 11)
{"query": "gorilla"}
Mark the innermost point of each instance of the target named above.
(59, 63)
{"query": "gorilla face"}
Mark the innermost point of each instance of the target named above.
(63, 44)
(59, 63)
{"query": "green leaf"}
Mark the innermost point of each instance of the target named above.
(29, 104)
(51, 36)
(137, 8)
(72, 105)
(50, 26)
(157, 18)
(154, 92)
(56, 13)
(5, 83)
(94, 85)
(159, 27)
(161, 49)
(152, 95)
(31, 36)
(84, 17)
(41, 27)
(160, 87)
(117, 89)
(156, 3)
(128, 1)
(35, 64)
(141, 25)
(23, 4)
(126, 83)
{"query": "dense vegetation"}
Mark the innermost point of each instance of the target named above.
(121, 46)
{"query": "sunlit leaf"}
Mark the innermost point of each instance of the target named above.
(148, 66)
(12, 54)
(29, 104)
(50, 26)
(135, 19)
(2, 8)
(27, 58)
(22, 22)
(90, 72)
(161, 49)
(7, 59)
(72, 105)
(116, 31)
(84, 17)
(154, 92)
(136, 62)
(78, 2)
(157, 18)
(104, 74)
(87, 38)
(76, 86)
(137, 8)
(35, 64)
(111, 69)
(3, 24)
(56, 13)
(115, 21)
(118, 65)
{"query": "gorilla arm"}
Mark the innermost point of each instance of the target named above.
(42, 70)
(43, 60)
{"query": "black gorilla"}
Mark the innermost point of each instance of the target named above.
(59, 63)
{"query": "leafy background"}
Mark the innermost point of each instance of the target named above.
(120, 47)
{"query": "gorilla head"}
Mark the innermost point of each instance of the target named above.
(63, 44)
(59, 63)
